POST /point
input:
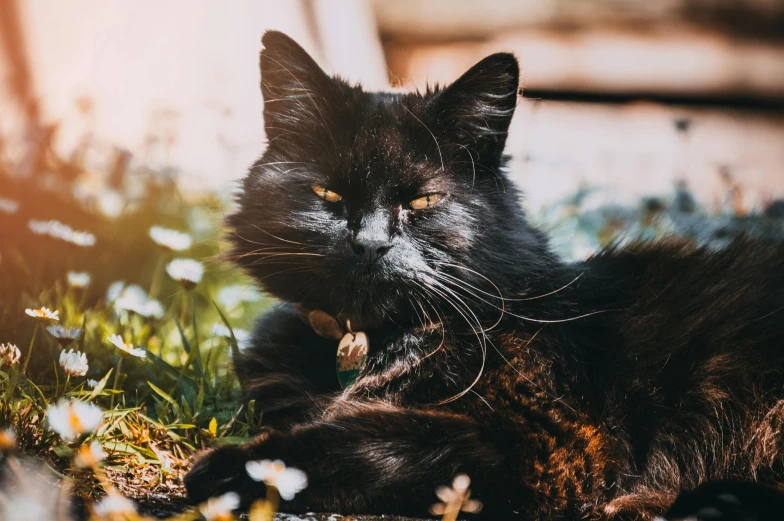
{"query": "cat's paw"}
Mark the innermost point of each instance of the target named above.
(221, 470)
(728, 501)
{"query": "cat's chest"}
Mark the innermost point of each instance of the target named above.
(434, 367)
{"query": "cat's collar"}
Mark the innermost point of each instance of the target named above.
(324, 324)
(352, 348)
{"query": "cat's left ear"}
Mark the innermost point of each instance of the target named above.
(476, 109)
(297, 93)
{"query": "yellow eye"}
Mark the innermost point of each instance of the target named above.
(426, 201)
(327, 195)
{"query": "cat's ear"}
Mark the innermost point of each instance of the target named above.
(295, 89)
(476, 109)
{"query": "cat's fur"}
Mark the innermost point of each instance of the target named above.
(594, 390)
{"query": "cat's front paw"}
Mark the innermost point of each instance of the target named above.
(728, 501)
(221, 470)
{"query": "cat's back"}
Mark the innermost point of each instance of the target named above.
(686, 317)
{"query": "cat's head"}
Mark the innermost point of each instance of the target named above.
(369, 204)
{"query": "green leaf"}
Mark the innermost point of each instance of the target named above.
(171, 371)
(235, 349)
(100, 386)
(192, 353)
(163, 394)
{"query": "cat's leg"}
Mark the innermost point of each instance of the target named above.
(369, 458)
(289, 371)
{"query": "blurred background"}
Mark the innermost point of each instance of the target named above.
(630, 107)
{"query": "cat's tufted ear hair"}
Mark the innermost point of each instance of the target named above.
(295, 89)
(477, 108)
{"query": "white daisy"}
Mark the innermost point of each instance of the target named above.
(288, 481)
(232, 296)
(187, 272)
(9, 354)
(43, 314)
(169, 239)
(114, 506)
(64, 335)
(8, 205)
(80, 238)
(220, 329)
(114, 290)
(220, 508)
(111, 203)
(153, 309)
(133, 298)
(78, 279)
(89, 456)
(58, 230)
(70, 419)
(455, 498)
(242, 336)
(74, 363)
(92, 384)
(126, 347)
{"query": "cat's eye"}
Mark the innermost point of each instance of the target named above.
(326, 194)
(426, 201)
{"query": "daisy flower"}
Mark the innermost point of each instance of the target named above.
(133, 298)
(169, 239)
(89, 456)
(72, 418)
(43, 314)
(232, 296)
(153, 308)
(8, 206)
(126, 347)
(64, 335)
(220, 508)
(74, 363)
(455, 499)
(288, 481)
(7, 441)
(220, 329)
(115, 506)
(58, 230)
(242, 336)
(9, 354)
(92, 384)
(78, 279)
(187, 272)
(80, 238)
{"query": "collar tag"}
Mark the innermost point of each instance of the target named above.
(351, 357)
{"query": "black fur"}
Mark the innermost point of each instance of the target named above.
(589, 391)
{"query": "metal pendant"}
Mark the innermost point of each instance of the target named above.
(351, 358)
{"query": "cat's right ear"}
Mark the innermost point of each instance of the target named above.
(295, 89)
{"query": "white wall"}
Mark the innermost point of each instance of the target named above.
(183, 72)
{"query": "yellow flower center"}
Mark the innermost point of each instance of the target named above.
(75, 421)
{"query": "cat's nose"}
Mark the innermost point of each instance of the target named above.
(370, 249)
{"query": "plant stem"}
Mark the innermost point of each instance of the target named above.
(65, 387)
(116, 381)
(270, 505)
(184, 307)
(30, 349)
(157, 275)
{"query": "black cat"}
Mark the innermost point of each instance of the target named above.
(595, 390)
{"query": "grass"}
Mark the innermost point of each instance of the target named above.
(159, 409)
